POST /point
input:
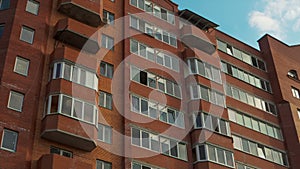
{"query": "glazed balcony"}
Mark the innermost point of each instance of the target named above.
(76, 34)
(69, 131)
(87, 12)
(193, 37)
(55, 161)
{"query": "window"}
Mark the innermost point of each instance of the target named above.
(161, 58)
(107, 42)
(156, 111)
(32, 6)
(207, 152)
(293, 74)
(295, 93)
(105, 100)
(4, 4)
(108, 17)
(246, 77)
(15, 101)
(62, 152)
(260, 150)
(243, 166)
(9, 140)
(202, 92)
(152, 141)
(154, 9)
(27, 34)
(204, 69)
(72, 107)
(154, 31)
(1, 30)
(150, 79)
(251, 100)
(298, 112)
(241, 55)
(136, 165)
(75, 74)
(104, 133)
(254, 124)
(103, 165)
(106, 69)
(21, 66)
(216, 124)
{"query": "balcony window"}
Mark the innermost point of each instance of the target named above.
(61, 152)
(151, 141)
(260, 150)
(216, 124)
(148, 79)
(72, 107)
(207, 94)
(154, 110)
(75, 74)
(207, 152)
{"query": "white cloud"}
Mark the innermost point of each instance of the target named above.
(278, 17)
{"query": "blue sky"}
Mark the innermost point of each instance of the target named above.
(248, 20)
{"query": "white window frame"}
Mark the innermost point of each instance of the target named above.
(105, 42)
(15, 140)
(26, 61)
(83, 103)
(106, 133)
(9, 99)
(36, 12)
(105, 94)
(31, 30)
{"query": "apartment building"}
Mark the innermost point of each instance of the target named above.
(140, 84)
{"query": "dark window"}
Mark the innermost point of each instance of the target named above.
(143, 77)
(4, 4)
(1, 29)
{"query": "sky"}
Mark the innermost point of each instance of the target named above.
(249, 20)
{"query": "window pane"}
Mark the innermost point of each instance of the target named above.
(9, 140)
(77, 109)
(221, 157)
(16, 101)
(145, 139)
(54, 104)
(135, 136)
(107, 136)
(212, 153)
(88, 112)
(144, 107)
(21, 65)
(204, 93)
(229, 158)
(202, 152)
(32, 7)
(27, 34)
(66, 105)
(135, 104)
